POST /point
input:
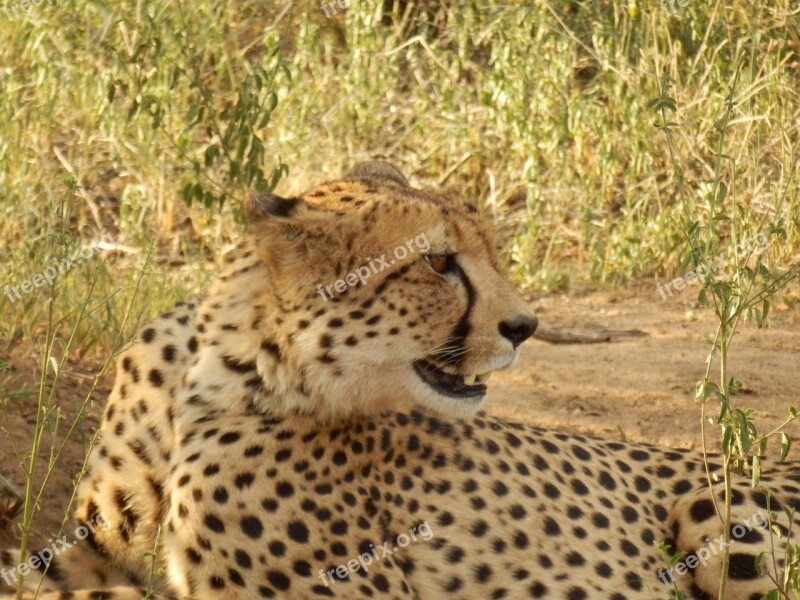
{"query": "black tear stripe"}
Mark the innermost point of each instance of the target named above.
(453, 355)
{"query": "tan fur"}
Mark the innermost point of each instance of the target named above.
(270, 434)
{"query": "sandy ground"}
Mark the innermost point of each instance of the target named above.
(641, 388)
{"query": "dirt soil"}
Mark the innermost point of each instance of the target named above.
(639, 388)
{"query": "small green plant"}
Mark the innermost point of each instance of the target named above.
(723, 218)
(670, 560)
(220, 122)
(53, 429)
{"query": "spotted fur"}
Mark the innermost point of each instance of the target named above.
(269, 434)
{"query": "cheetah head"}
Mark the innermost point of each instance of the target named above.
(389, 296)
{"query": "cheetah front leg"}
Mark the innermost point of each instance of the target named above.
(698, 530)
(80, 573)
(112, 593)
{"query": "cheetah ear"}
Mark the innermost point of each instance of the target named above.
(288, 230)
(377, 169)
(259, 206)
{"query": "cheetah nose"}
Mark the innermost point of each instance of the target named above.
(518, 330)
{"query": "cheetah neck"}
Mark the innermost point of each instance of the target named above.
(240, 334)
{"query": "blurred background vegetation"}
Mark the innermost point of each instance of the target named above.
(149, 121)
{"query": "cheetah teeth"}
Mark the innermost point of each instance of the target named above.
(479, 377)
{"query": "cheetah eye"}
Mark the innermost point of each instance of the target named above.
(441, 263)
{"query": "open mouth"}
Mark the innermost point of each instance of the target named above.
(448, 384)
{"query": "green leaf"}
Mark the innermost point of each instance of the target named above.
(194, 111)
(176, 73)
(756, 471)
(133, 110)
(722, 193)
(760, 564)
(786, 444)
(727, 436)
(272, 101)
(212, 152)
(187, 193)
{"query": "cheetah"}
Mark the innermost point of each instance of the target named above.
(272, 441)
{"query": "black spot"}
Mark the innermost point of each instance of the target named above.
(279, 580)
(600, 521)
(214, 524)
(479, 528)
(253, 451)
(629, 549)
(761, 500)
(538, 590)
(575, 559)
(551, 491)
(252, 527)
(284, 489)
(629, 514)
(380, 583)
(579, 487)
(702, 510)
(500, 488)
(277, 548)
(517, 512)
(193, 556)
(665, 472)
(550, 447)
(453, 585)
(551, 528)
(521, 540)
(235, 578)
(298, 531)
(156, 378)
(751, 536)
(243, 559)
(603, 570)
(229, 437)
(607, 481)
(483, 573)
(581, 453)
(244, 480)
(272, 348)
